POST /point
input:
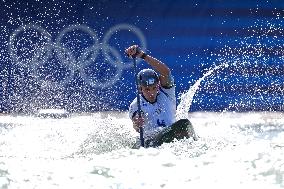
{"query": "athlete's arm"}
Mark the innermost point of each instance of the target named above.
(157, 65)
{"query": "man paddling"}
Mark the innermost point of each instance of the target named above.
(158, 103)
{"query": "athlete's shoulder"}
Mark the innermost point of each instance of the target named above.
(168, 93)
(134, 101)
(133, 108)
(133, 104)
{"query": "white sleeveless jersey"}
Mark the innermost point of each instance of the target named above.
(159, 114)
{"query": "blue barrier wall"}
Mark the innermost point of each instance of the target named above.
(71, 54)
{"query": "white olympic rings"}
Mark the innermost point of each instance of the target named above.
(47, 49)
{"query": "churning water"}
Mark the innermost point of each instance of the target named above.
(93, 151)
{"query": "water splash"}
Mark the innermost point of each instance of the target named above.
(187, 97)
(254, 79)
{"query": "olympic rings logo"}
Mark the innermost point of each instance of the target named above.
(44, 49)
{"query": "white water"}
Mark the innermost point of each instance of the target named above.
(234, 150)
(187, 97)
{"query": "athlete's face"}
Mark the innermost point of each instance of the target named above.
(150, 92)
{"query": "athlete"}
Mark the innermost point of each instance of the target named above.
(157, 98)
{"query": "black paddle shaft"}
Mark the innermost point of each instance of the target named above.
(141, 131)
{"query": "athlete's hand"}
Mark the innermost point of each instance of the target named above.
(134, 51)
(138, 122)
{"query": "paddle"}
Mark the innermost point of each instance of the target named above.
(138, 99)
